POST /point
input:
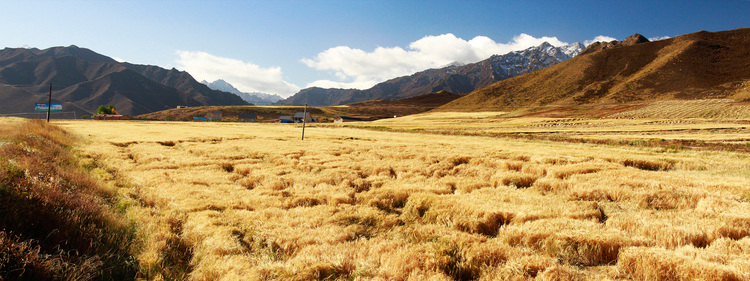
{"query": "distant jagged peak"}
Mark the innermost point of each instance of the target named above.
(253, 97)
(634, 39)
(222, 85)
(545, 45)
(570, 50)
(453, 64)
(630, 41)
(573, 50)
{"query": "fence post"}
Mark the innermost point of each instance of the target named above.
(49, 102)
(304, 120)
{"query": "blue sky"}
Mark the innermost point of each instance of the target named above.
(282, 46)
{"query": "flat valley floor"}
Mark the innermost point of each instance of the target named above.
(438, 196)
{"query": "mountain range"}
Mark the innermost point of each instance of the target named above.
(700, 65)
(255, 98)
(82, 80)
(459, 79)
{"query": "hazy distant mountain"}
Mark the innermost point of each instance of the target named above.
(455, 78)
(254, 98)
(700, 65)
(83, 79)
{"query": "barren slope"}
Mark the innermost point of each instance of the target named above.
(82, 80)
(694, 66)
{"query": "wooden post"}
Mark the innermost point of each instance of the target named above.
(304, 120)
(49, 102)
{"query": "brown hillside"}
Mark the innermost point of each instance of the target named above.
(630, 41)
(82, 80)
(694, 66)
(369, 110)
(271, 113)
(427, 100)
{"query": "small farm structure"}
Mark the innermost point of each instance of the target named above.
(247, 117)
(199, 119)
(299, 117)
(285, 119)
(213, 116)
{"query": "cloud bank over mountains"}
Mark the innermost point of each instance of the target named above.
(245, 76)
(357, 68)
(600, 38)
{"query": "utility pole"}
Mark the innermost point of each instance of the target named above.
(49, 102)
(304, 120)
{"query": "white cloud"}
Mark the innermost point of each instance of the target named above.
(343, 85)
(658, 38)
(118, 59)
(600, 38)
(356, 68)
(246, 77)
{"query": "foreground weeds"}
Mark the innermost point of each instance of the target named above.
(252, 202)
(57, 222)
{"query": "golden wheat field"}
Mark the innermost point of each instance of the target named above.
(404, 200)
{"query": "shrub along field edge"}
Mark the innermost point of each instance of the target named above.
(56, 221)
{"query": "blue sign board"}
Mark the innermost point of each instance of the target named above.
(43, 107)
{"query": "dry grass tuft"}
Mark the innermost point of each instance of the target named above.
(124, 144)
(561, 273)
(519, 180)
(551, 185)
(564, 172)
(745, 196)
(688, 263)
(574, 242)
(167, 143)
(299, 201)
(242, 170)
(389, 200)
(668, 200)
(648, 165)
(513, 166)
(249, 182)
(227, 167)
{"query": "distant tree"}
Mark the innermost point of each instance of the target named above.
(106, 109)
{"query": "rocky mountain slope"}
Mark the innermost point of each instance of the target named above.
(83, 79)
(701, 65)
(253, 98)
(630, 41)
(425, 102)
(459, 79)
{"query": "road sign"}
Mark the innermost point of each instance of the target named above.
(43, 107)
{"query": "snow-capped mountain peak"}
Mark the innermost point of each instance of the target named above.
(573, 50)
(254, 98)
(520, 62)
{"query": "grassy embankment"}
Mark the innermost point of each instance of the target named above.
(56, 221)
(271, 113)
(252, 202)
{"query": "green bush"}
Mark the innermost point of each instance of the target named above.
(106, 109)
